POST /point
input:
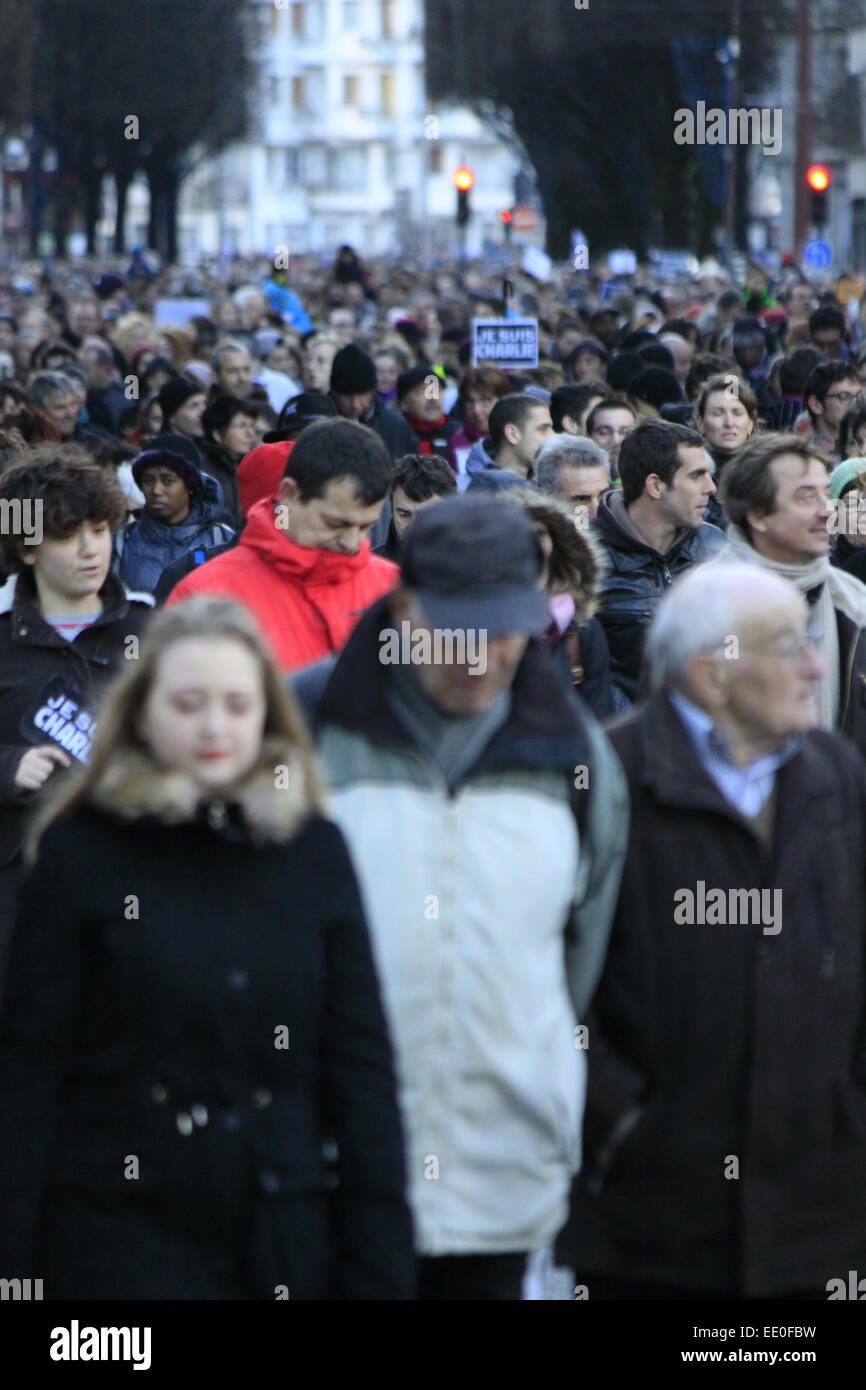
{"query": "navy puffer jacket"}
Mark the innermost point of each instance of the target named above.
(146, 546)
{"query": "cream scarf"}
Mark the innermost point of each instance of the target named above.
(840, 590)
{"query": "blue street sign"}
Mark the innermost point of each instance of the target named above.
(817, 255)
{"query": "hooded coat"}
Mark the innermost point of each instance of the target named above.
(175, 1066)
(482, 470)
(146, 546)
(306, 601)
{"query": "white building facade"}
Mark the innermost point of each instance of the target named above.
(348, 147)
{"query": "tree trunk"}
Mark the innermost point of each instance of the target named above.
(92, 201)
(171, 196)
(122, 180)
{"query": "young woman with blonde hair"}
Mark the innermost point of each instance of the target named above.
(195, 1077)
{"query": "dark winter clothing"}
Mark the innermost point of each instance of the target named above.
(735, 1044)
(145, 547)
(392, 429)
(174, 573)
(849, 557)
(218, 463)
(591, 680)
(433, 438)
(637, 579)
(221, 1027)
(32, 656)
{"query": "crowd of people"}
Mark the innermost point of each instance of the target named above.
(432, 804)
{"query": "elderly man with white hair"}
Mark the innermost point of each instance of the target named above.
(725, 1126)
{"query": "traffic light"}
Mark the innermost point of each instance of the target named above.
(463, 180)
(505, 219)
(818, 179)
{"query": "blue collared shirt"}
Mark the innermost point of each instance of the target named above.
(746, 788)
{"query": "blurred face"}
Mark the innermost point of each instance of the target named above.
(7, 334)
(153, 418)
(838, 400)
(72, 569)
(166, 495)
(606, 329)
(353, 407)
(610, 427)
(828, 341)
(317, 365)
(461, 690)
(61, 407)
(84, 318)
(424, 401)
(478, 406)
(187, 420)
(239, 436)
(682, 352)
(338, 520)
(537, 426)
(252, 310)
(796, 532)
(227, 316)
(588, 366)
(582, 488)
(568, 340)
(726, 423)
(769, 690)
(342, 323)
(683, 501)
(205, 713)
(404, 510)
(386, 372)
(584, 415)
(801, 302)
(279, 359)
(236, 372)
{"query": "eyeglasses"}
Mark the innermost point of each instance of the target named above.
(792, 651)
(842, 396)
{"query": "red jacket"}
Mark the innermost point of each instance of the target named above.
(260, 471)
(306, 601)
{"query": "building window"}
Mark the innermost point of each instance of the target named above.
(274, 22)
(274, 167)
(435, 159)
(387, 19)
(298, 21)
(273, 91)
(386, 92)
(351, 90)
(293, 166)
(351, 15)
(390, 163)
(299, 94)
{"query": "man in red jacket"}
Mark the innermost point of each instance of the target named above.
(303, 565)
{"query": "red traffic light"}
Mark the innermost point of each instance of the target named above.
(463, 179)
(818, 177)
(505, 216)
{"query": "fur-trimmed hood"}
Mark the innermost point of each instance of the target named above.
(576, 561)
(272, 803)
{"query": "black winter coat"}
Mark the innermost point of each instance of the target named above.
(218, 463)
(32, 655)
(393, 429)
(159, 1139)
(636, 579)
(733, 1043)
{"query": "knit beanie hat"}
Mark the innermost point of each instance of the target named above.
(163, 458)
(353, 371)
(846, 472)
(174, 394)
